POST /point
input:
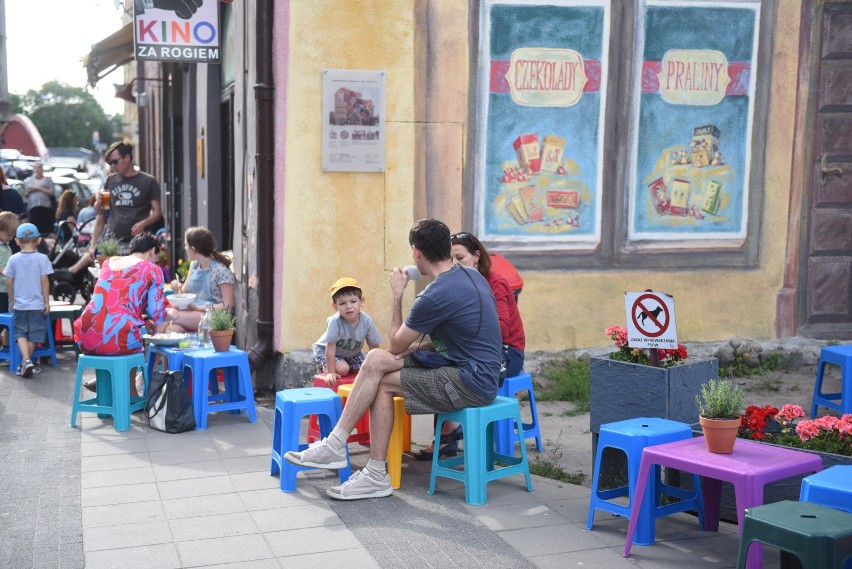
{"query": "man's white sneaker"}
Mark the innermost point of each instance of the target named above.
(319, 455)
(28, 368)
(360, 486)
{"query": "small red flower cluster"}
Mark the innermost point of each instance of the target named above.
(665, 358)
(754, 421)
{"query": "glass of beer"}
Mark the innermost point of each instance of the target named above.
(104, 196)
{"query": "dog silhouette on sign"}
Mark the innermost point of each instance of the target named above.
(655, 313)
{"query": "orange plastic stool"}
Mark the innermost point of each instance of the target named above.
(400, 440)
(362, 434)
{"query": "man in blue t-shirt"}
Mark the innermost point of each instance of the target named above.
(457, 367)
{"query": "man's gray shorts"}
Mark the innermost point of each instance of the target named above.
(435, 390)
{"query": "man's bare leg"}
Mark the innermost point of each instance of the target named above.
(374, 388)
(377, 378)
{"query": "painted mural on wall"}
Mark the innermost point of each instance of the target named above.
(542, 102)
(694, 95)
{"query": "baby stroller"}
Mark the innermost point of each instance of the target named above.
(71, 243)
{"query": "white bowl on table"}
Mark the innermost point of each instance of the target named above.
(181, 301)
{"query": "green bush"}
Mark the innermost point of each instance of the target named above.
(568, 380)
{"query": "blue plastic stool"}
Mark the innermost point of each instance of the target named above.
(291, 406)
(173, 357)
(113, 388)
(239, 393)
(174, 362)
(479, 456)
(832, 487)
(632, 436)
(506, 436)
(840, 356)
(13, 353)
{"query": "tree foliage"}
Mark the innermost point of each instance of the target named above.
(66, 115)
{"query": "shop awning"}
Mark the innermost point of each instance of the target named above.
(109, 53)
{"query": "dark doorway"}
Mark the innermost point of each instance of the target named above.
(825, 291)
(226, 122)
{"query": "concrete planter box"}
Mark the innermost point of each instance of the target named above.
(622, 390)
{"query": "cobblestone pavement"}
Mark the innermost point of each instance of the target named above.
(40, 512)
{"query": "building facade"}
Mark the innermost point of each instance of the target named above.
(603, 146)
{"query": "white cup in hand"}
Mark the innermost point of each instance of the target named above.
(412, 272)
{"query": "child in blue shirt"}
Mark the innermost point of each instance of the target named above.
(28, 287)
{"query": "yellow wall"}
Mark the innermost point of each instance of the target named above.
(344, 224)
(357, 224)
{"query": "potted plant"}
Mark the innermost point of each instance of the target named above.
(222, 324)
(720, 408)
(108, 247)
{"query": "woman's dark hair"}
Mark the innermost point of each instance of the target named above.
(143, 243)
(432, 238)
(66, 203)
(474, 245)
(202, 240)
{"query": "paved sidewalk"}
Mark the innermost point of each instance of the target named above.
(97, 498)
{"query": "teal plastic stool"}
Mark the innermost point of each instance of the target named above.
(820, 537)
(113, 388)
(480, 456)
(506, 435)
(13, 354)
(239, 392)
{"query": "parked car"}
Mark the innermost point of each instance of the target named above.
(15, 164)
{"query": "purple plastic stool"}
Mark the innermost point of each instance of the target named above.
(749, 468)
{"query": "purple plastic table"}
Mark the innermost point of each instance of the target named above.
(749, 468)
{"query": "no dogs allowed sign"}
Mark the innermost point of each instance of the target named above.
(650, 320)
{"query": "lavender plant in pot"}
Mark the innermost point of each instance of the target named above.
(720, 407)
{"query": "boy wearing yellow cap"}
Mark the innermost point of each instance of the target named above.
(345, 334)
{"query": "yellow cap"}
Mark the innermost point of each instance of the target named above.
(343, 283)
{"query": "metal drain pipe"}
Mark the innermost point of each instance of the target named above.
(264, 93)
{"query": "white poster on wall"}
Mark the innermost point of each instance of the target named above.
(353, 120)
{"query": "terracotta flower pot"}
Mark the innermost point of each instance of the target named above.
(720, 435)
(221, 339)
